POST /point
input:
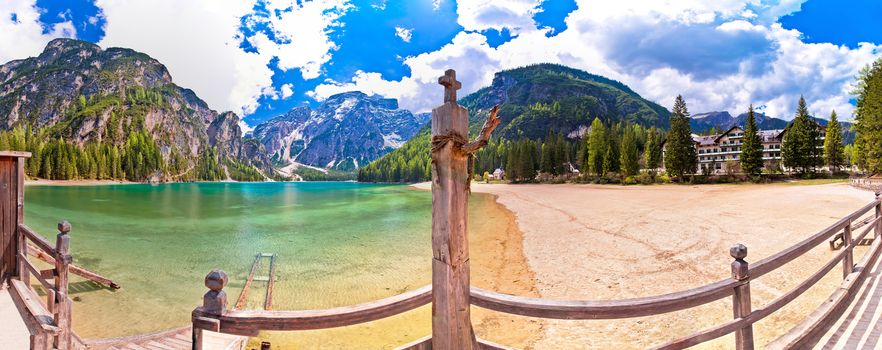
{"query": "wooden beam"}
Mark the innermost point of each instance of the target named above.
(240, 303)
(245, 322)
(76, 269)
(268, 303)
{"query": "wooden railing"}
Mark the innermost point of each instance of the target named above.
(213, 316)
(872, 184)
(54, 320)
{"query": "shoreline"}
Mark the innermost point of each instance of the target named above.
(605, 242)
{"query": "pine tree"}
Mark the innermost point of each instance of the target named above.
(834, 150)
(868, 118)
(597, 147)
(751, 147)
(629, 157)
(680, 158)
(801, 147)
(611, 159)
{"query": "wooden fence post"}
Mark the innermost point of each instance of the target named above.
(741, 298)
(24, 274)
(878, 229)
(451, 322)
(62, 301)
(213, 302)
(848, 261)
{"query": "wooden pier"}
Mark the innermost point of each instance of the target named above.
(270, 279)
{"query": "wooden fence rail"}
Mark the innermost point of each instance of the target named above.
(54, 319)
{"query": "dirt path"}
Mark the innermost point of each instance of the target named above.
(612, 242)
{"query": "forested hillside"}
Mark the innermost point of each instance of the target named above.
(88, 113)
(534, 101)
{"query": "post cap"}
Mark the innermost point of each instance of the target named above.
(64, 226)
(738, 251)
(216, 280)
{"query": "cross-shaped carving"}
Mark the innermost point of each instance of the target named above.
(450, 85)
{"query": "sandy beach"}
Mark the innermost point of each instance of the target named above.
(595, 242)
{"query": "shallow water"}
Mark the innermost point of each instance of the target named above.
(336, 244)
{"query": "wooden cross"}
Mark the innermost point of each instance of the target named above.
(450, 85)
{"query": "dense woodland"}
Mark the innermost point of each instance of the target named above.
(126, 151)
(616, 152)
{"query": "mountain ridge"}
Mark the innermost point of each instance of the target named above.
(80, 94)
(345, 132)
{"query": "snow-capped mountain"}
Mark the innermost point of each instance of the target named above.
(345, 132)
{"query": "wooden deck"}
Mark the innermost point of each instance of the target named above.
(14, 333)
(860, 326)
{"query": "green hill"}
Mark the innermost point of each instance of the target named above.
(534, 101)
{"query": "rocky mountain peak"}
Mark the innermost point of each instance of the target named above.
(346, 131)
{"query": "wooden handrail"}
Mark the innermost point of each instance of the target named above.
(785, 256)
(247, 322)
(602, 309)
(38, 240)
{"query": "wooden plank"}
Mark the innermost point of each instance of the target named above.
(8, 240)
(14, 154)
(252, 321)
(777, 260)
(240, 303)
(77, 270)
(451, 315)
(810, 330)
(268, 303)
(33, 269)
(602, 309)
(40, 242)
(21, 243)
(37, 317)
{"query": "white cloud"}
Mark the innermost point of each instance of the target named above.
(23, 37)
(287, 90)
(720, 55)
(514, 15)
(199, 43)
(403, 33)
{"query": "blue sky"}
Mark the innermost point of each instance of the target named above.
(260, 58)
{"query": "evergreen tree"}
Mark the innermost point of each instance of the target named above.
(801, 148)
(629, 157)
(834, 150)
(611, 158)
(652, 153)
(868, 118)
(680, 158)
(751, 147)
(597, 142)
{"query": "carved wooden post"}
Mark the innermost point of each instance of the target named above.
(741, 299)
(23, 273)
(213, 302)
(451, 322)
(848, 261)
(62, 301)
(878, 229)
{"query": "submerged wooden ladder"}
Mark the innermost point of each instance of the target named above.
(270, 279)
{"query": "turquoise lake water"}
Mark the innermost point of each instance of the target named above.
(336, 244)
